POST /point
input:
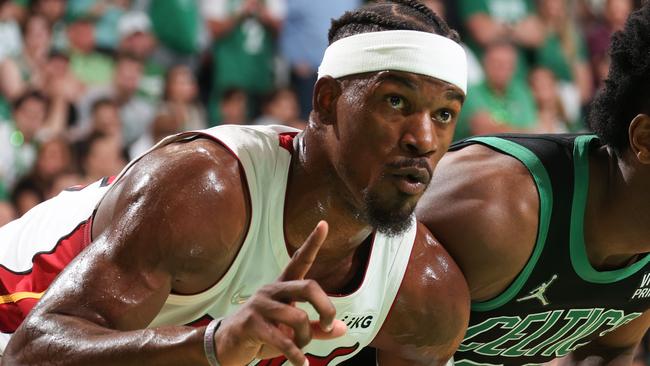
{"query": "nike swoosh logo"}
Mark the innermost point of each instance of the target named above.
(238, 298)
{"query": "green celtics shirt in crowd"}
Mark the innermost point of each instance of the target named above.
(558, 302)
(502, 11)
(244, 58)
(5, 109)
(551, 55)
(176, 24)
(515, 107)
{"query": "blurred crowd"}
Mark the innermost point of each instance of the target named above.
(87, 85)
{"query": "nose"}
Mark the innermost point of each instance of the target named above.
(419, 137)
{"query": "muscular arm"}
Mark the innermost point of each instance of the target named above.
(613, 349)
(173, 223)
(430, 314)
(473, 200)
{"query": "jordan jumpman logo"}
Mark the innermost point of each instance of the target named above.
(539, 292)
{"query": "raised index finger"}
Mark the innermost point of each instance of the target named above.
(304, 257)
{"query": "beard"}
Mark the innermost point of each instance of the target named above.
(389, 218)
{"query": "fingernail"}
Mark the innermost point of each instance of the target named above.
(328, 327)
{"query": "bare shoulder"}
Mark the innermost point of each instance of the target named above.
(483, 207)
(431, 311)
(188, 201)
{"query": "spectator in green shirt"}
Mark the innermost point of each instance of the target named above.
(501, 103)
(137, 38)
(487, 21)
(243, 51)
(564, 50)
(107, 15)
(91, 67)
(54, 11)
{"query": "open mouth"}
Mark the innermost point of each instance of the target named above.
(411, 183)
(413, 175)
(411, 178)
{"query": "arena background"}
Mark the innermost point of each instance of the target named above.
(86, 85)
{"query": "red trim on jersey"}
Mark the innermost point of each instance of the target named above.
(106, 181)
(314, 360)
(45, 267)
(201, 322)
(12, 315)
(286, 140)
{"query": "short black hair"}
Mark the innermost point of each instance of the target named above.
(390, 15)
(104, 101)
(232, 92)
(30, 94)
(626, 91)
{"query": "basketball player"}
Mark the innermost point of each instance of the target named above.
(200, 231)
(551, 231)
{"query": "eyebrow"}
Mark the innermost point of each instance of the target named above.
(451, 94)
(398, 79)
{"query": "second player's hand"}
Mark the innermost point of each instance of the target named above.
(269, 325)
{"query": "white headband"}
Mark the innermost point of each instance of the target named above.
(401, 50)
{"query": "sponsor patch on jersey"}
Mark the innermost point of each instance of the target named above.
(359, 322)
(643, 290)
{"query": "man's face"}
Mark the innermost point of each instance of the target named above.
(30, 117)
(392, 129)
(82, 36)
(53, 10)
(499, 63)
(107, 120)
(127, 76)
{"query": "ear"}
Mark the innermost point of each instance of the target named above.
(326, 92)
(639, 132)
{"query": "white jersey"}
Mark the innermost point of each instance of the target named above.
(264, 152)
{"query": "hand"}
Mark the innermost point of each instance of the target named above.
(529, 32)
(269, 325)
(249, 7)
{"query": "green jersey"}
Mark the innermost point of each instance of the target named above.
(558, 302)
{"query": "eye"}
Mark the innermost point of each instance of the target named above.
(396, 102)
(443, 116)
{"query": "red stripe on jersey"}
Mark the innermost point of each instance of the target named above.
(12, 315)
(108, 180)
(313, 359)
(45, 267)
(286, 140)
(200, 322)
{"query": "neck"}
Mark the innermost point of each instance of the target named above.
(317, 194)
(617, 222)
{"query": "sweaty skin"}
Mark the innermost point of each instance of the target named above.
(176, 220)
(477, 194)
